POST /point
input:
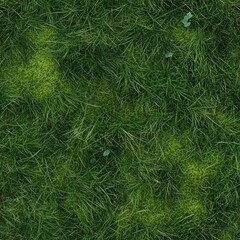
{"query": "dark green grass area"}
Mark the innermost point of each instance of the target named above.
(104, 137)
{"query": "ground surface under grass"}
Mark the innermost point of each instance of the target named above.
(104, 134)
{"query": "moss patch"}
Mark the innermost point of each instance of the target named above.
(145, 209)
(153, 212)
(174, 148)
(191, 207)
(37, 76)
(195, 174)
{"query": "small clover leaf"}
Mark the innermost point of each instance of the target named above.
(93, 160)
(106, 152)
(169, 55)
(186, 19)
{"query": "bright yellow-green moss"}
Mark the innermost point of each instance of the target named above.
(194, 178)
(39, 75)
(142, 207)
(173, 149)
(43, 40)
(141, 204)
(195, 173)
(153, 212)
(192, 207)
(189, 201)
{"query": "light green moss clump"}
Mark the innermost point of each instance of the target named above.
(141, 204)
(143, 208)
(43, 40)
(39, 75)
(153, 212)
(173, 150)
(195, 174)
(192, 207)
(189, 201)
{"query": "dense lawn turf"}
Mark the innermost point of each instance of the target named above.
(118, 120)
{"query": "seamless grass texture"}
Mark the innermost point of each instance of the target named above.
(118, 121)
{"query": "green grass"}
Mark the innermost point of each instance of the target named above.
(83, 76)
